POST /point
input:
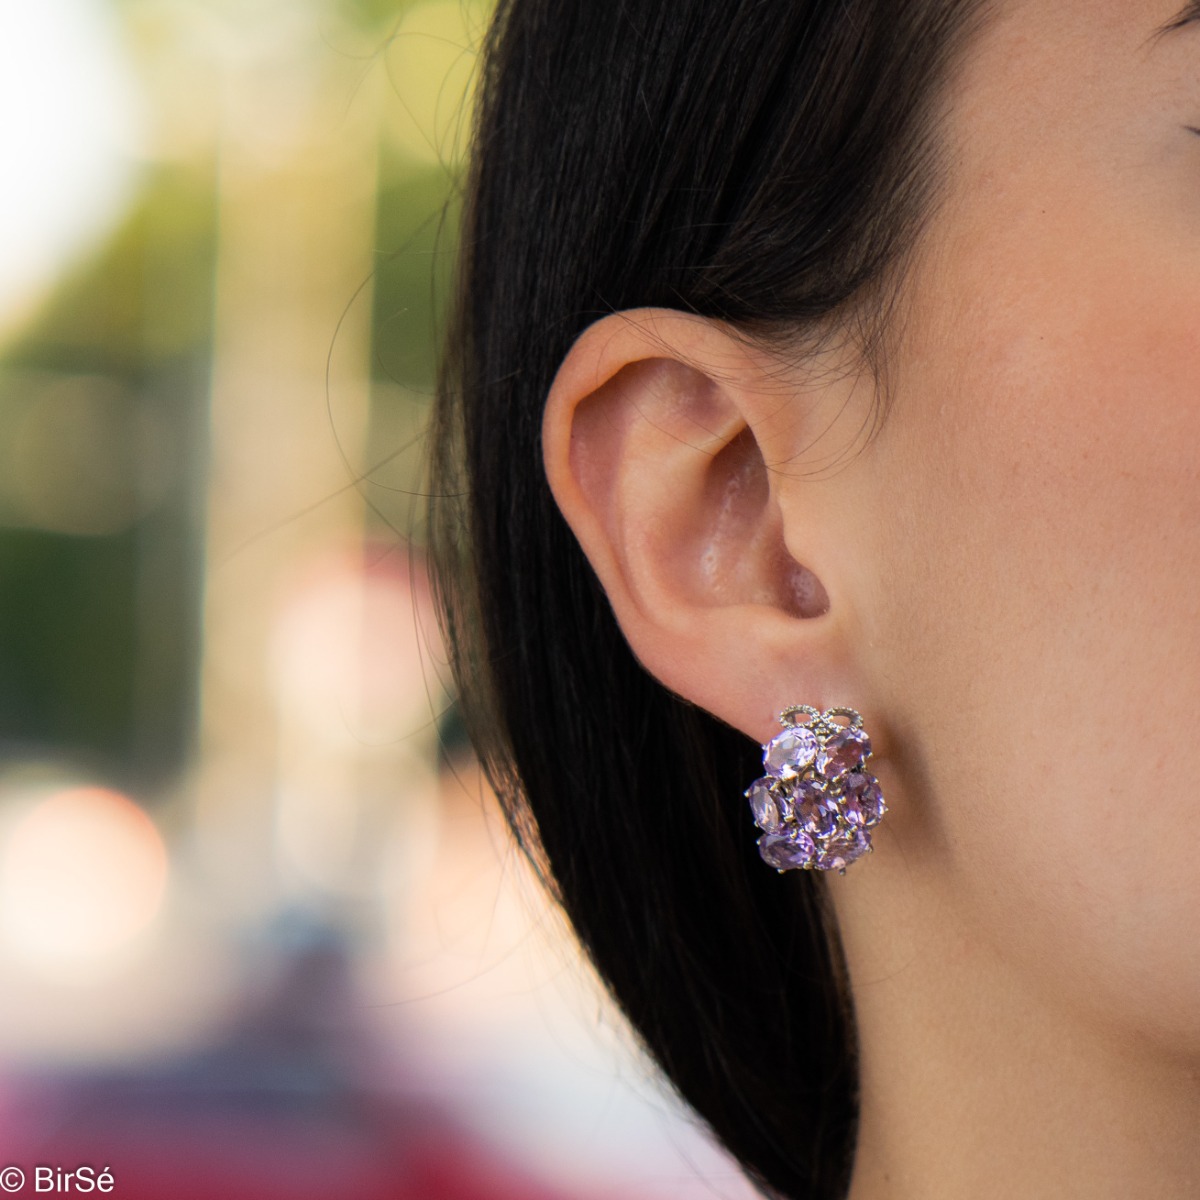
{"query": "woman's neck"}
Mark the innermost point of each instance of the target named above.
(974, 1084)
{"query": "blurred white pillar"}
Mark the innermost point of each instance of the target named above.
(296, 216)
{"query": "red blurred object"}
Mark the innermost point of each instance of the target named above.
(366, 1151)
(283, 1107)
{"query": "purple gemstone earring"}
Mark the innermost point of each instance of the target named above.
(817, 802)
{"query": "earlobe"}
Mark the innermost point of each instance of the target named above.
(656, 438)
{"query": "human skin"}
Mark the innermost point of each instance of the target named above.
(1009, 591)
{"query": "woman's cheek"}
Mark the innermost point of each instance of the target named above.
(1037, 624)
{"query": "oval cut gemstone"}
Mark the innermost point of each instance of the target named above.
(764, 806)
(790, 752)
(864, 794)
(852, 812)
(838, 853)
(843, 752)
(814, 810)
(786, 852)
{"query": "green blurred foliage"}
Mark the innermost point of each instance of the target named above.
(69, 642)
(100, 635)
(415, 245)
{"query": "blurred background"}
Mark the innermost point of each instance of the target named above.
(261, 932)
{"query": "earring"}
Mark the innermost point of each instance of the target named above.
(817, 802)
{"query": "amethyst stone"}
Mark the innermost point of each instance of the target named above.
(838, 853)
(815, 811)
(790, 752)
(785, 852)
(765, 806)
(843, 752)
(864, 804)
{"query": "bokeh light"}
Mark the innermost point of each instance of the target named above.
(82, 875)
(69, 129)
(351, 652)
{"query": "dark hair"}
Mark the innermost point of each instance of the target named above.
(764, 163)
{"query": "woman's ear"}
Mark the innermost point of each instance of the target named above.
(672, 450)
